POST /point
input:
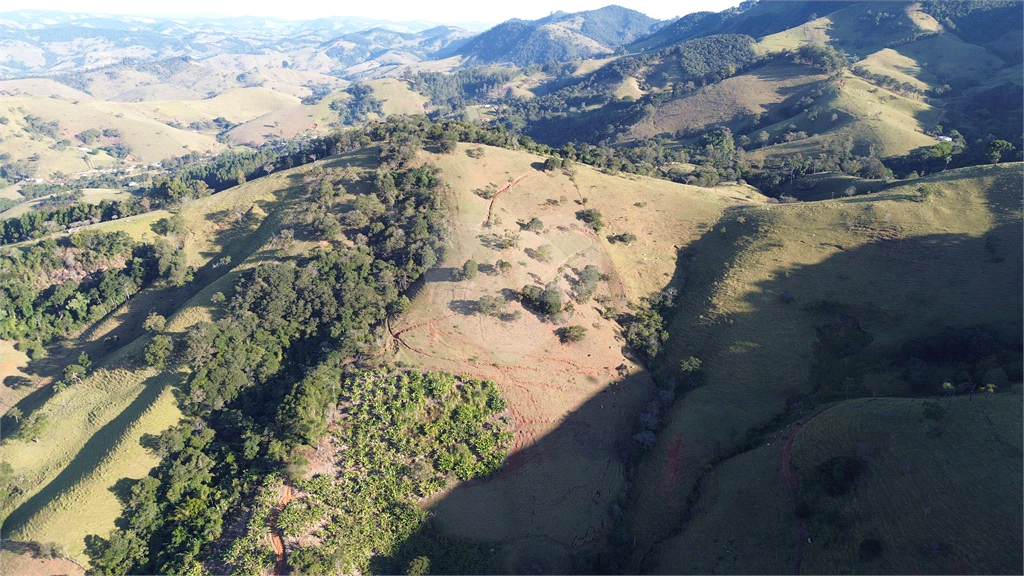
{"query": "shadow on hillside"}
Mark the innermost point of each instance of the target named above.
(562, 487)
(854, 303)
(99, 446)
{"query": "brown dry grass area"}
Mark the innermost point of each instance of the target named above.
(17, 559)
(751, 93)
(574, 406)
(12, 364)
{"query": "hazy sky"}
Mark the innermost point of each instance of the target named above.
(396, 10)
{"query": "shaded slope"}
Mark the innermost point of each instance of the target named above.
(794, 275)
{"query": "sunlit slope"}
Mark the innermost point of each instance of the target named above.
(149, 139)
(93, 440)
(573, 404)
(238, 105)
(878, 121)
(732, 101)
(289, 121)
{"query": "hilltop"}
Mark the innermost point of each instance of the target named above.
(558, 37)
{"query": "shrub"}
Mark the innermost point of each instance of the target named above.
(625, 238)
(535, 225)
(587, 283)
(491, 305)
(470, 269)
(591, 216)
(573, 333)
(541, 254)
(157, 351)
(155, 322)
(547, 300)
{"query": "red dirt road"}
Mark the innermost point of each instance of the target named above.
(281, 566)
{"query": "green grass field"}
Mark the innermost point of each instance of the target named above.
(902, 268)
(942, 496)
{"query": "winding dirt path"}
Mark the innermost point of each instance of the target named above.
(503, 189)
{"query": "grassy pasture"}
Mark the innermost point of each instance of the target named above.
(940, 495)
(573, 404)
(873, 117)
(728, 102)
(902, 268)
(149, 139)
(628, 87)
(948, 57)
(285, 123)
(236, 105)
(12, 365)
(398, 97)
(740, 524)
(20, 558)
(41, 88)
(891, 63)
(813, 32)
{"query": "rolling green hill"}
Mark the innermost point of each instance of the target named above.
(824, 301)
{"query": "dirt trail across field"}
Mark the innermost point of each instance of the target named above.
(281, 567)
(503, 189)
(792, 479)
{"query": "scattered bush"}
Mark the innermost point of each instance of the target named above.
(591, 216)
(574, 333)
(625, 238)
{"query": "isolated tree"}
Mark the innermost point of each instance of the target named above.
(154, 322)
(950, 391)
(157, 351)
(994, 150)
(690, 366)
(470, 269)
(84, 361)
(418, 566)
(15, 413)
(491, 305)
(73, 372)
(989, 389)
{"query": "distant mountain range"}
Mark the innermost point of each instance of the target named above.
(44, 42)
